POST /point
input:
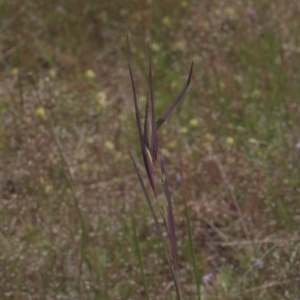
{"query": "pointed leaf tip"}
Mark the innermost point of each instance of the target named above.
(168, 111)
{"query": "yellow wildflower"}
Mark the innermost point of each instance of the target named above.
(238, 78)
(253, 141)
(90, 74)
(194, 122)
(84, 167)
(166, 21)
(52, 73)
(109, 145)
(48, 188)
(221, 85)
(155, 47)
(165, 152)
(179, 45)
(172, 144)
(217, 12)
(256, 93)
(42, 180)
(230, 12)
(229, 141)
(101, 100)
(184, 4)
(89, 140)
(208, 136)
(40, 111)
(14, 71)
(183, 130)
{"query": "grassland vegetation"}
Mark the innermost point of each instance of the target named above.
(74, 220)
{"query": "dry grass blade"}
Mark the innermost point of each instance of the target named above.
(159, 231)
(147, 127)
(137, 114)
(150, 151)
(154, 143)
(145, 152)
(168, 111)
(170, 217)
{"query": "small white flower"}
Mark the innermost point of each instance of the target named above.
(207, 278)
(259, 263)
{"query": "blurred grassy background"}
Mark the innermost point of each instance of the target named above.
(68, 188)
